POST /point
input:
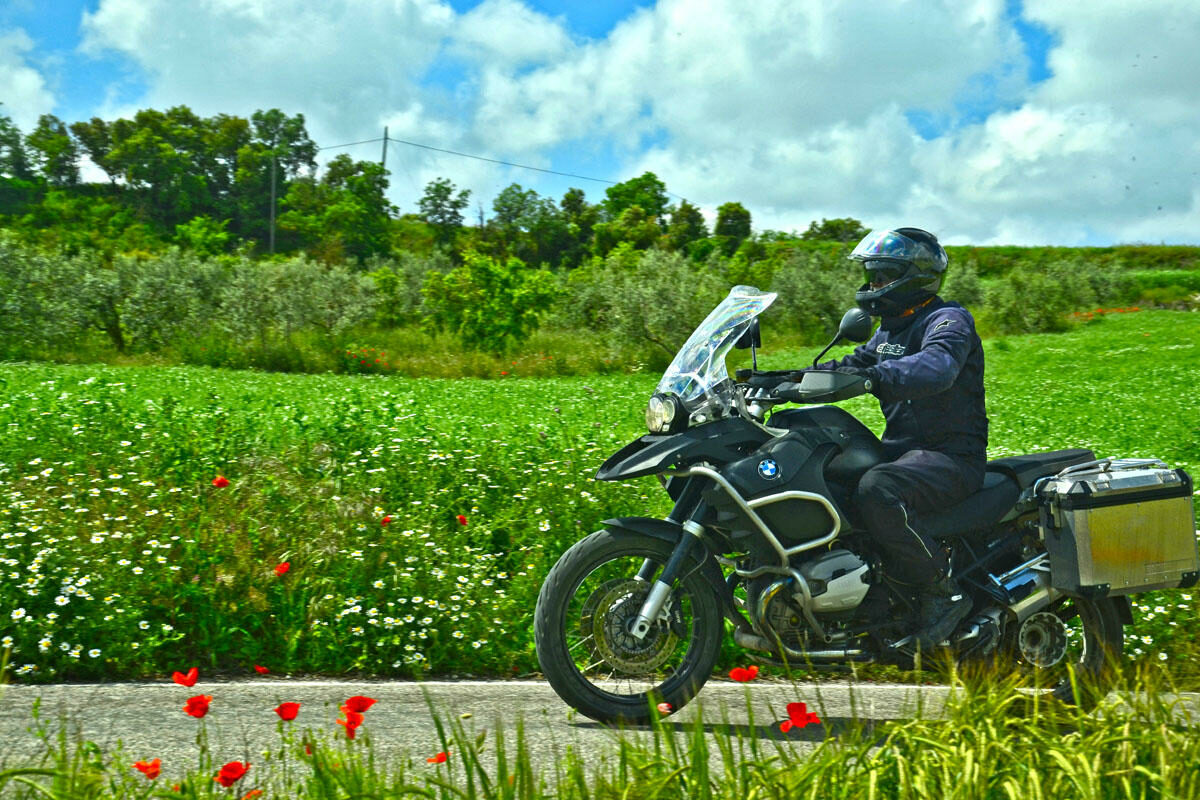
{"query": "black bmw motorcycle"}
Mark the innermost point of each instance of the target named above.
(762, 535)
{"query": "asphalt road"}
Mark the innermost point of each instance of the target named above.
(148, 720)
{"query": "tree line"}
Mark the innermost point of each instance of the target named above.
(227, 184)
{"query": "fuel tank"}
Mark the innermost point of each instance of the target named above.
(794, 462)
(858, 448)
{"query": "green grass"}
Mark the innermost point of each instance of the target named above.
(120, 559)
(989, 741)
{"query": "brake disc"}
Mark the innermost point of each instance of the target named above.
(1042, 639)
(616, 606)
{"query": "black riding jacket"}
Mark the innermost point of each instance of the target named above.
(927, 371)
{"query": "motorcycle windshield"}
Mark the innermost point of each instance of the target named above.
(699, 366)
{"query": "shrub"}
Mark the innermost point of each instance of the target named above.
(489, 304)
(649, 301)
(815, 288)
(40, 305)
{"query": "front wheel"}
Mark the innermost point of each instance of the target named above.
(581, 627)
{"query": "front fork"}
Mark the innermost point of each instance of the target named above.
(688, 509)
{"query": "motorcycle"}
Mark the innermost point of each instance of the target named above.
(763, 535)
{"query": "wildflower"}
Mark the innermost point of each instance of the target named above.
(231, 773)
(359, 703)
(287, 711)
(665, 708)
(744, 674)
(197, 706)
(440, 758)
(93, 653)
(252, 794)
(385, 521)
(220, 482)
(351, 722)
(261, 670)
(282, 568)
(149, 768)
(188, 680)
(461, 519)
(798, 717)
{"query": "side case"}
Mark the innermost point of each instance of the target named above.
(1117, 528)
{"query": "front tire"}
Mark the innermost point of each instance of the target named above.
(580, 623)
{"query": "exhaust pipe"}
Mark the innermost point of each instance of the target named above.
(752, 641)
(1029, 584)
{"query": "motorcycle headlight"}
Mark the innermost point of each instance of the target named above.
(663, 413)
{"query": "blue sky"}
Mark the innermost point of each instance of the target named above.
(998, 121)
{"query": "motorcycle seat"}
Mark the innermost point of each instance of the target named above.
(979, 511)
(1028, 468)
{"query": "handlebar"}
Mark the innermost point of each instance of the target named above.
(814, 386)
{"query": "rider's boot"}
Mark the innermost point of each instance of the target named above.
(943, 607)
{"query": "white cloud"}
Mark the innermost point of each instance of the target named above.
(345, 65)
(798, 111)
(24, 93)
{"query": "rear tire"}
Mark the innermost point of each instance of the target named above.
(1103, 640)
(693, 643)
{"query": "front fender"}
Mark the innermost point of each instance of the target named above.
(672, 532)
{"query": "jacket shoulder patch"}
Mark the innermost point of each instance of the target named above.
(943, 324)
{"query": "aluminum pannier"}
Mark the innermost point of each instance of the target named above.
(1119, 526)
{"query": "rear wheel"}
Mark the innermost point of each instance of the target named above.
(1071, 649)
(581, 626)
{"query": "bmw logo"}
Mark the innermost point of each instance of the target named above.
(768, 468)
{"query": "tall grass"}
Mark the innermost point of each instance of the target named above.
(988, 741)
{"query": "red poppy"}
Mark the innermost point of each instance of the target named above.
(188, 680)
(743, 674)
(798, 717)
(220, 481)
(197, 706)
(351, 722)
(665, 708)
(502, 372)
(252, 793)
(261, 670)
(440, 758)
(358, 704)
(287, 711)
(282, 568)
(148, 768)
(385, 521)
(307, 749)
(231, 773)
(461, 519)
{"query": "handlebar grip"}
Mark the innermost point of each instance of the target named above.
(789, 391)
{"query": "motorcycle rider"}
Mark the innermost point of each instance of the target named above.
(925, 364)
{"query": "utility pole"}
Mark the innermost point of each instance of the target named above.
(272, 200)
(383, 161)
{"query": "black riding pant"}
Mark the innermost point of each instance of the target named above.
(892, 496)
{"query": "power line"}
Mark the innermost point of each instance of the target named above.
(504, 163)
(350, 144)
(385, 139)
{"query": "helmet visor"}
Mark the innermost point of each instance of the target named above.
(888, 245)
(881, 273)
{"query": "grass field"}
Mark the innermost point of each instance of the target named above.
(417, 517)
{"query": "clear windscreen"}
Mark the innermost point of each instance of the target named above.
(699, 366)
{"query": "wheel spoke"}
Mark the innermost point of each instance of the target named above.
(587, 638)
